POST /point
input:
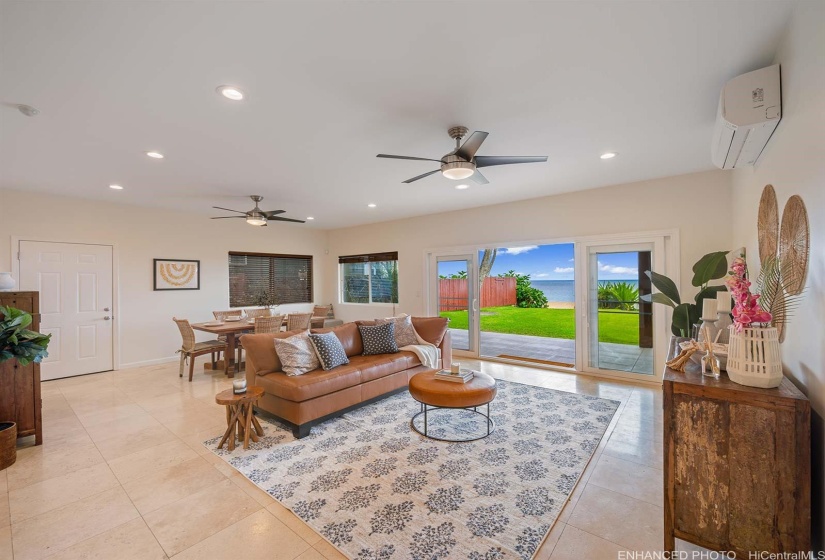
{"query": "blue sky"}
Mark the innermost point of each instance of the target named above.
(553, 262)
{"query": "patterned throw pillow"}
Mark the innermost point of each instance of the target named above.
(404, 331)
(379, 339)
(329, 349)
(297, 354)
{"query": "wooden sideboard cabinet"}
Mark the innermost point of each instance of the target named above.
(737, 464)
(20, 386)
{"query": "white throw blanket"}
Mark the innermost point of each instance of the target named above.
(429, 354)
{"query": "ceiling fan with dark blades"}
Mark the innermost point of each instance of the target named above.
(256, 216)
(463, 163)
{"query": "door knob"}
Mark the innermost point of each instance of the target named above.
(106, 318)
(105, 309)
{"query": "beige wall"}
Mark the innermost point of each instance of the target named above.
(794, 163)
(139, 234)
(698, 205)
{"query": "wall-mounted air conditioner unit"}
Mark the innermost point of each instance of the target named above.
(749, 110)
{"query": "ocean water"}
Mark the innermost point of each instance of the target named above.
(562, 290)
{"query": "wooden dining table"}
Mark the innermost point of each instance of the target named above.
(231, 330)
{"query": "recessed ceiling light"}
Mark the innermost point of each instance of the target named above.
(371, 205)
(156, 155)
(310, 218)
(230, 92)
(116, 187)
(462, 186)
(608, 155)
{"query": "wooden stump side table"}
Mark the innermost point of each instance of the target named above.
(240, 421)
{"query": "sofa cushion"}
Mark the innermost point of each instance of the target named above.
(314, 384)
(260, 349)
(296, 354)
(379, 339)
(348, 335)
(431, 329)
(329, 350)
(404, 331)
(381, 365)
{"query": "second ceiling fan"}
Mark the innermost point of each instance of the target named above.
(463, 163)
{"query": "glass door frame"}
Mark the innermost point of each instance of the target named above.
(664, 260)
(472, 294)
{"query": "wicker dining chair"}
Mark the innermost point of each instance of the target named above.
(298, 321)
(190, 349)
(321, 311)
(268, 324)
(222, 315)
(255, 313)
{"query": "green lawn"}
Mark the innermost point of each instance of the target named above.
(621, 327)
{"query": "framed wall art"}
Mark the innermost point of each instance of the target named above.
(177, 274)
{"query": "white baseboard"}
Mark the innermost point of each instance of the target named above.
(149, 362)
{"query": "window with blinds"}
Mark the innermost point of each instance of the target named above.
(371, 278)
(265, 279)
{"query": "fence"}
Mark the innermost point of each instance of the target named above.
(495, 292)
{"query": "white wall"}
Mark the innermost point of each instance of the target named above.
(794, 163)
(697, 204)
(140, 234)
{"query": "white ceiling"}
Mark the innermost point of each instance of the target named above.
(332, 84)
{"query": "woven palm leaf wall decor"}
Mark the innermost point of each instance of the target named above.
(784, 251)
(767, 224)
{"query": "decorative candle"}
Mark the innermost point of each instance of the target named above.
(454, 368)
(709, 309)
(723, 302)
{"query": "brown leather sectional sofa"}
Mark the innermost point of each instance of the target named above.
(306, 400)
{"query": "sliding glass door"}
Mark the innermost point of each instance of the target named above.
(456, 288)
(619, 327)
(567, 304)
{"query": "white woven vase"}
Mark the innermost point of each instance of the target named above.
(754, 359)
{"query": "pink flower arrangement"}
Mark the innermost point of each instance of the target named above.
(746, 309)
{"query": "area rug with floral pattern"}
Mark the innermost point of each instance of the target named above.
(379, 491)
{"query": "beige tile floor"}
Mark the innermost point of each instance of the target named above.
(123, 475)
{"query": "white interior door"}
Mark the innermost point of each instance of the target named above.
(75, 285)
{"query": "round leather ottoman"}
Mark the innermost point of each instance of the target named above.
(435, 393)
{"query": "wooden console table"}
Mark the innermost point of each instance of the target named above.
(20, 386)
(737, 464)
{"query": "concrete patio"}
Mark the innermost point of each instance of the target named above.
(620, 357)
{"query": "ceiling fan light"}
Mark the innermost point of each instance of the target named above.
(456, 169)
(254, 220)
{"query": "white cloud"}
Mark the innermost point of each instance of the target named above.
(563, 270)
(539, 275)
(518, 250)
(572, 260)
(617, 269)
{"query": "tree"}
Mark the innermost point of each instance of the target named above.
(487, 260)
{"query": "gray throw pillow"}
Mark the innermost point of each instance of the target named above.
(404, 331)
(378, 339)
(297, 354)
(329, 349)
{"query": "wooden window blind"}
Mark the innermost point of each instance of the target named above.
(372, 257)
(369, 278)
(288, 278)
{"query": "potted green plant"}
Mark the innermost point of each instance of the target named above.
(268, 299)
(19, 343)
(712, 266)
